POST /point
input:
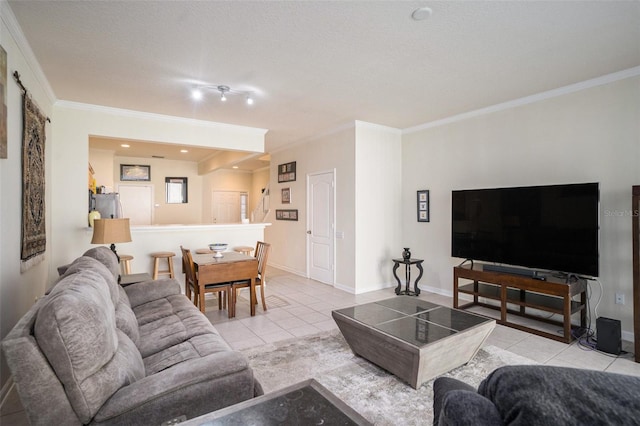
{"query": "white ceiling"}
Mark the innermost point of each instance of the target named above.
(318, 65)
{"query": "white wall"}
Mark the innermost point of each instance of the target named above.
(19, 290)
(378, 205)
(367, 160)
(592, 135)
(288, 238)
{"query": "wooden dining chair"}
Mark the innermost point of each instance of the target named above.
(223, 291)
(262, 254)
(190, 282)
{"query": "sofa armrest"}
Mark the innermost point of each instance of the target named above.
(441, 386)
(191, 388)
(463, 407)
(148, 291)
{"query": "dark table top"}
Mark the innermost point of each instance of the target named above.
(305, 403)
(413, 320)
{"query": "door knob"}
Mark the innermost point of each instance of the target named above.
(309, 232)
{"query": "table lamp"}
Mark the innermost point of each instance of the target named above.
(111, 231)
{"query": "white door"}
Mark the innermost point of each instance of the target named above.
(320, 226)
(225, 207)
(137, 203)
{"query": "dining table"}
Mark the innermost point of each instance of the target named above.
(229, 268)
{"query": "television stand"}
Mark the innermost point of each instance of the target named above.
(518, 295)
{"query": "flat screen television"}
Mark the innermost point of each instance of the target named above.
(552, 227)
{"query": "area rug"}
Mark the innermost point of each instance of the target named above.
(376, 394)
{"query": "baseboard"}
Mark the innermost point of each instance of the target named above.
(5, 391)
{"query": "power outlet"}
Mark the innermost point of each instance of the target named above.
(619, 299)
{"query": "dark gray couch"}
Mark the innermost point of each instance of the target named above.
(91, 352)
(539, 395)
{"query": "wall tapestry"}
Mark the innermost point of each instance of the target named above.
(34, 238)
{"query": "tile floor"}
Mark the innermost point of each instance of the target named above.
(299, 307)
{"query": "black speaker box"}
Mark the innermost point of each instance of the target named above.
(609, 335)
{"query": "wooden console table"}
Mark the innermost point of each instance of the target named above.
(549, 295)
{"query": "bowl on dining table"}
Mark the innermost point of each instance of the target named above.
(218, 248)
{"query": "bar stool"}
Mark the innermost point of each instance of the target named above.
(156, 263)
(125, 260)
(244, 249)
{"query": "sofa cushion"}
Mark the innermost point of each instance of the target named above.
(168, 322)
(76, 330)
(108, 258)
(193, 348)
(544, 395)
(161, 308)
(83, 263)
(125, 318)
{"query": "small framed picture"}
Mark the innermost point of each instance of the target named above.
(135, 172)
(286, 195)
(287, 172)
(423, 205)
(287, 214)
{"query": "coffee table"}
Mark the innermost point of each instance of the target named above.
(411, 338)
(304, 403)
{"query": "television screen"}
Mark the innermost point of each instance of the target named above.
(552, 227)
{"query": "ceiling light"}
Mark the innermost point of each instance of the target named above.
(184, 151)
(234, 167)
(421, 13)
(124, 145)
(198, 92)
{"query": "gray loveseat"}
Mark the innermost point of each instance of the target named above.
(532, 395)
(93, 352)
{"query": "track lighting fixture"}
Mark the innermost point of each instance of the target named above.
(197, 93)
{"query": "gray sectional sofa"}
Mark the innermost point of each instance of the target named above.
(93, 352)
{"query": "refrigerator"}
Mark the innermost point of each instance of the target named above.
(107, 204)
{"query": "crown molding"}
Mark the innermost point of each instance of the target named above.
(572, 88)
(25, 49)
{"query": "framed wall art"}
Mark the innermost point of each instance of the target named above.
(287, 172)
(135, 172)
(287, 214)
(286, 195)
(423, 206)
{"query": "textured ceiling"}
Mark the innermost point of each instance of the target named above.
(317, 65)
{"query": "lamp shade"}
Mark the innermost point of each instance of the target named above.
(110, 231)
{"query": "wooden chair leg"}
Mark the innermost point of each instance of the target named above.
(264, 304)
(201, 301)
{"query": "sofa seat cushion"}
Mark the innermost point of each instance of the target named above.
(193, 348)
(76, 330)
(161, 308)
(168, 322)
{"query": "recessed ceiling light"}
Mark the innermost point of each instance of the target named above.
(183, 151)
(421, 13)
(124, 145)
(235, 167)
